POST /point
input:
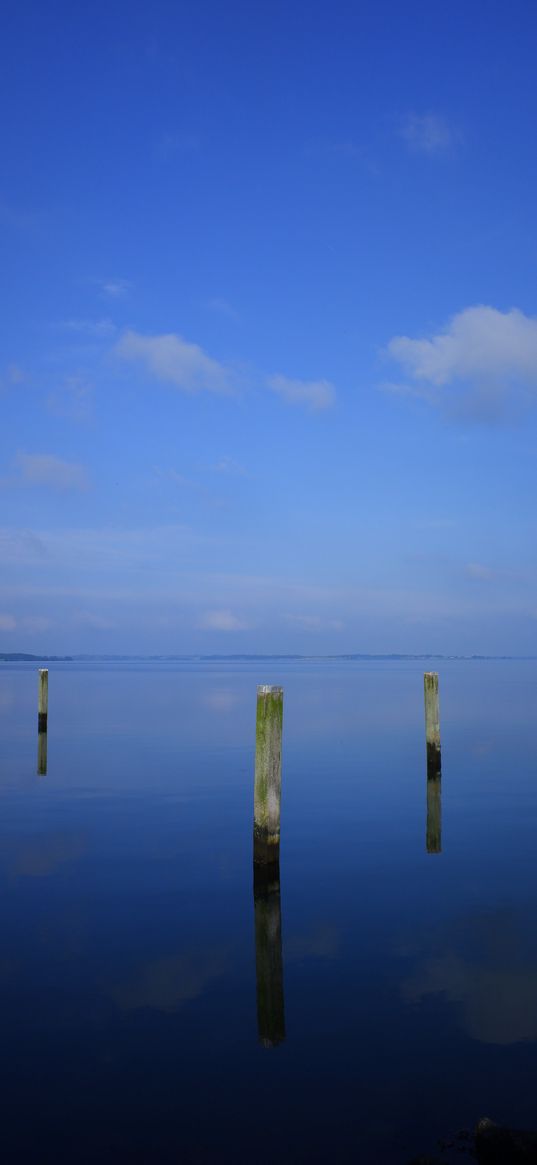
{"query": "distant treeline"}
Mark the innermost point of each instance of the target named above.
(19, 656)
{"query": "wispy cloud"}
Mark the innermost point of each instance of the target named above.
(230, 467)
(72, 400)
(479, 571)
(102, 329)
(47, 470)
(429, 133)
(12, 376)
(221, 621)
(488, 356)
(114, 288)
(175, 361)
(28, 623)
(222, 307)
(312, 394)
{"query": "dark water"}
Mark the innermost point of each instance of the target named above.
(128, 963)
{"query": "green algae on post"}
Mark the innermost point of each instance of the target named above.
(42, 699)
(268, 774)
(432, 722)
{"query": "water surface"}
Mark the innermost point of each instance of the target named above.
(407, 998)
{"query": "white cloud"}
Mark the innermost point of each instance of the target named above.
(98, 329)
(479, 571)
(27, 623)
(228, 465)
(72, 399)
(429, 134)
(222, 307)
(314, 394)
(12, 376)
(44, 469)
(174, 360)
(488, 353)
(221, 621)
(114, 288)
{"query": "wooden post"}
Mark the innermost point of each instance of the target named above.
(268, 955)
(434, 815)
(42, 699)
(432, 722)
(268, 774)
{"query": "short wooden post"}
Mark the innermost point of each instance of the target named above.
(268, 774)
(432, 722)
(42, 700)
(434, 815)
(268, 956)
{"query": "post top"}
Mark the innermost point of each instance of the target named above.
(430, 675)
(43, 670)
(269, 690)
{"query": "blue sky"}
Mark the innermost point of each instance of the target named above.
(268, 370)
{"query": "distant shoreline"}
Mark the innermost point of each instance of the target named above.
(22, 657)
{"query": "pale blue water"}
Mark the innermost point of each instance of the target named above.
(127, 958)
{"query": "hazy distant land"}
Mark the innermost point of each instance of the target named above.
(23, 657)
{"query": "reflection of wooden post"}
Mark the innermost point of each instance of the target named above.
(434, 815)
(268, 955)
(432, 722)
(42, 699)
(268, 774)
(42, 720)
(42, 754)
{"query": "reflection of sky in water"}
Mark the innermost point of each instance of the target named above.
(126, 898)
(488, 967)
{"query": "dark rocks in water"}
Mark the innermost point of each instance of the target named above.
(495, 1145)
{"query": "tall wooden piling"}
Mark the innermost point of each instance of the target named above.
(268, 774)
(42, 700)
(432, 722)
(268, 955)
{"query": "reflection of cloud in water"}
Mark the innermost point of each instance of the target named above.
(167, 984)
(321, 942)
(221, 699)
(481, 747)
(38, 856)
(494, 981)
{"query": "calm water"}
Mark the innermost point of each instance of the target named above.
(128, 958)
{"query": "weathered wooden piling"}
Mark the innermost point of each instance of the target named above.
(268, 774)
(434, 815)
(42, 754)
(268, 955)
(42, 700)
(432, 722)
